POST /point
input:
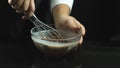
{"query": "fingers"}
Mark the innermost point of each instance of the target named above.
(18, 4)
(30, 10)
(12, 2)
(80, 43)
(70, 25)
(75, 25)
(15, 3)
(80, 27)
(81, 40)
(26, 5)
(23, 6)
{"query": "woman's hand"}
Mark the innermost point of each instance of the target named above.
(23, 6)
(66, 22)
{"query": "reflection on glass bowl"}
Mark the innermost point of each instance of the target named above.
(55, 47)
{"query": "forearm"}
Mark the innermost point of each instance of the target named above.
(60, 10)
(61, 7)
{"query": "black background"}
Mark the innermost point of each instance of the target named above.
(100, 18)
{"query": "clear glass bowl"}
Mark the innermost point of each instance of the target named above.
(55, 47)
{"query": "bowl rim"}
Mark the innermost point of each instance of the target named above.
(78, 35)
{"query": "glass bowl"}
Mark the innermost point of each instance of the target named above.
(55, 47)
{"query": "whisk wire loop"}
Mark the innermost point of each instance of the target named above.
(41, 26)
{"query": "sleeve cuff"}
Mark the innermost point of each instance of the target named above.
(53, 3)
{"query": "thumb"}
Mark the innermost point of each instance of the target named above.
(81, 40)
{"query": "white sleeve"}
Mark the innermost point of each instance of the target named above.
(53, 3)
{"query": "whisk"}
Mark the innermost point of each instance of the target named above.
(45, 31)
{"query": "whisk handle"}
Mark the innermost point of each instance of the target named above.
(33, 18)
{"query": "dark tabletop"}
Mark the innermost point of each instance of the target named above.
(89, 55)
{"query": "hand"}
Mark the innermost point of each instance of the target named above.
(23, 6)
(65, 22)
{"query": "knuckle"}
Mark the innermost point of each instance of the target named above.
(32, 9)
(9, 2)
(25, 9)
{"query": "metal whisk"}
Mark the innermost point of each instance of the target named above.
(45, 31)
